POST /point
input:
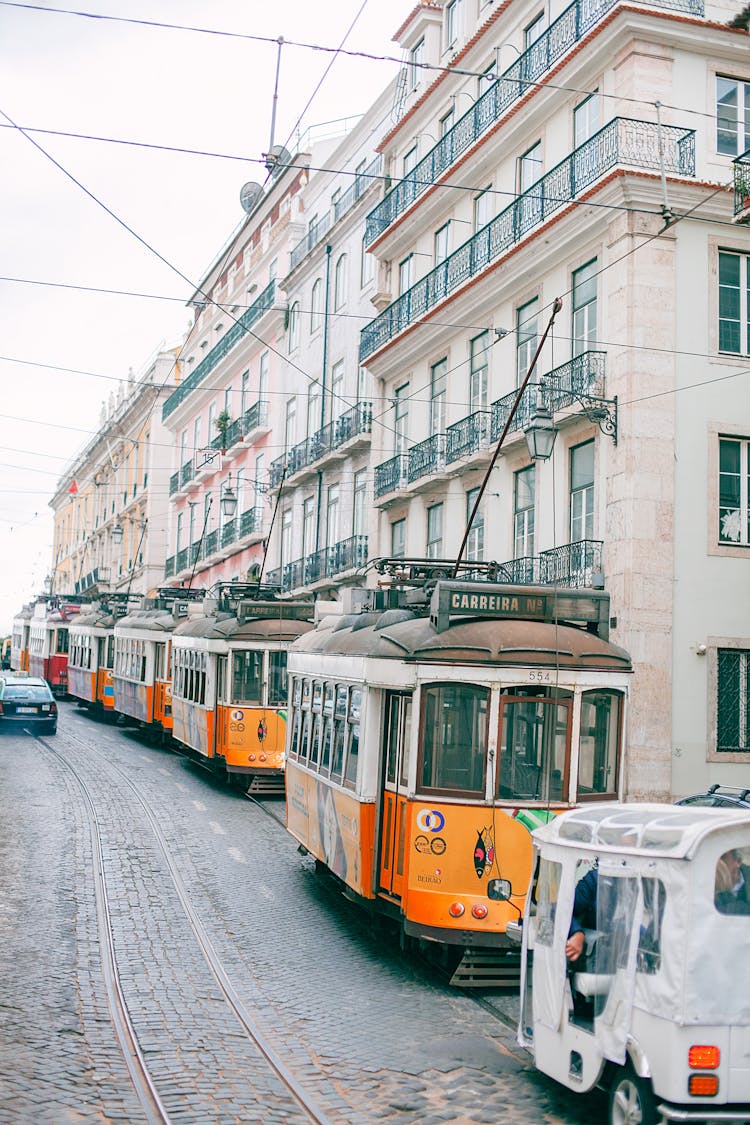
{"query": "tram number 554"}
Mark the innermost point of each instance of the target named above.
(542, 674)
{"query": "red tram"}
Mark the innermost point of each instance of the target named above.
(229, 689)
(49, 640)
(431, 729)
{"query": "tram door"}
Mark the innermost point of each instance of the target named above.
(395, 774)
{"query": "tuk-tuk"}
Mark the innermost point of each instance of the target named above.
(652, 1000)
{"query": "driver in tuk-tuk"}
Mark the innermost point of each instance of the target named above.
(732, 885)
(584, 917)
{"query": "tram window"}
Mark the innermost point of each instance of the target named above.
(159, 661)
(600, 734)
(339, 731)
(305, 748)
(247, 684)
(62, 640)
(306, 694)
(296, 691)
(276, 679)
(327, 726)
(110, 652)
(221, 677)
(533, 749)
(454, 737)
(315, 740)
(352, 756)
(317, 701)
(294, 744)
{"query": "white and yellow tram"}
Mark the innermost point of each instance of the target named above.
(92, 653)
(425, 742)
(229, 689)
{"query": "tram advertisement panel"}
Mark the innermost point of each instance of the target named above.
(133, 699)
(334, 827)
(82, 683)
(455, 850)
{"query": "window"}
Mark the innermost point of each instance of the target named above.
(441, 243)
(277, 691)
(293, 326)
(313, 409)
(582, 492)
(260, 482)
(438, 379)
(452, 22)
(454, 737)
(533, 30)
(178, 539)
(478, 367)
(247, 681)
(533, 757)
(733, 701)
(290, 423)
(338, 405)
(446, 122)
(586, 119)
(339, 283)
(435, 531)
(265, 360)
(273, 269)
(315, 305)
(523, 513)
(486, 78)
(410, 160)
(734, 491)
(527, 330)
(286, 537)
(732, 116)
(405, 274)
(359, 508)
(363, 385)
(484, 206)
(529, 167)
(398, 539)
(598, 761)
(244, 392)
(734, 302)
(367, 267)
(475, 539)
(197, 433)
(332, 516)
(308, 526)
(212, 421)
(416, 58)
(401, 418)
(584, 307)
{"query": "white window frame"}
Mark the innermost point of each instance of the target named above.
(738, 115)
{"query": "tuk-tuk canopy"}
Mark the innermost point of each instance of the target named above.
(684, 873)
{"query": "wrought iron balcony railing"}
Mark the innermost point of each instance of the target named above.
(623, 141)
(742, 186)
(344, 203)
(251, 521)
(580, 380)
(391, 475)
(187, 472)
(273, 578)
(573, 564)
(426, 457)
(467, 436)
(356, 421)
(238, 330)
(331, 561)
(229, 533)
(169, 569)
(562, 35)
(211, 543)
(174, 483)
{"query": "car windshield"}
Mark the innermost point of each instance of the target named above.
(35, 693)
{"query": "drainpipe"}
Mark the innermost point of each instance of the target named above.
(323, 389)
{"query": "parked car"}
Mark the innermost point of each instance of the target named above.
(720, 796)
(27, 701)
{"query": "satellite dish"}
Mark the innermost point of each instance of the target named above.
(249, 196)
(277, 158)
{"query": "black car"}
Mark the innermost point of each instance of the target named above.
(27, 701)
(720, 796)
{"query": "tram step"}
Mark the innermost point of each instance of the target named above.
(271, 786)
(487, 969)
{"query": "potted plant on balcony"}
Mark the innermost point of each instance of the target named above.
(222, 424)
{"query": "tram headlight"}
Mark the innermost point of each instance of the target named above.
(456, 909)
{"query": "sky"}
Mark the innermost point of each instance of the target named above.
(63, 346)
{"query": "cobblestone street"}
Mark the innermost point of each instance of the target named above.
(208, 897)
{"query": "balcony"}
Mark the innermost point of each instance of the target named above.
(578, 565)
(234, 334)
(331, 439)
(562, 35)
(169, 567)
(742, 188)
(623, 141)
(579, 381)
(344, 203)
(348, 554)
(99, 575)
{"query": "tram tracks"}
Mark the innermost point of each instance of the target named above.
(141, 1077)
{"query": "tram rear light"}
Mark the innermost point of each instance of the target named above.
(456, 909)
(262, 757)
(479, 910)
(252, 757)
(703, 1085)
(702, 1057)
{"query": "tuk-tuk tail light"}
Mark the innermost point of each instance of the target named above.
(703, 1057)
(703, 1085)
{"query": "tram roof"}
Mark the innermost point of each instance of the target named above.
(99, 618)
(228, 628)
(151, 620)
(397, 635)
(669, 830)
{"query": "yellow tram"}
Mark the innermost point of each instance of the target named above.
(229, 689)
(92, 652)
(431, 728)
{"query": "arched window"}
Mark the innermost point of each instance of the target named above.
(293, 326)
(340, 280)
(315, 305)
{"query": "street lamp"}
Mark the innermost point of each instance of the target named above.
(117, 533)
(540, 433)
(228, 500)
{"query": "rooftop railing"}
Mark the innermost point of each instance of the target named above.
(238, 330)
(562, 35)
(638, 144)
(317, 232)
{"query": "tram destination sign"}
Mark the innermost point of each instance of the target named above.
(491, 600)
